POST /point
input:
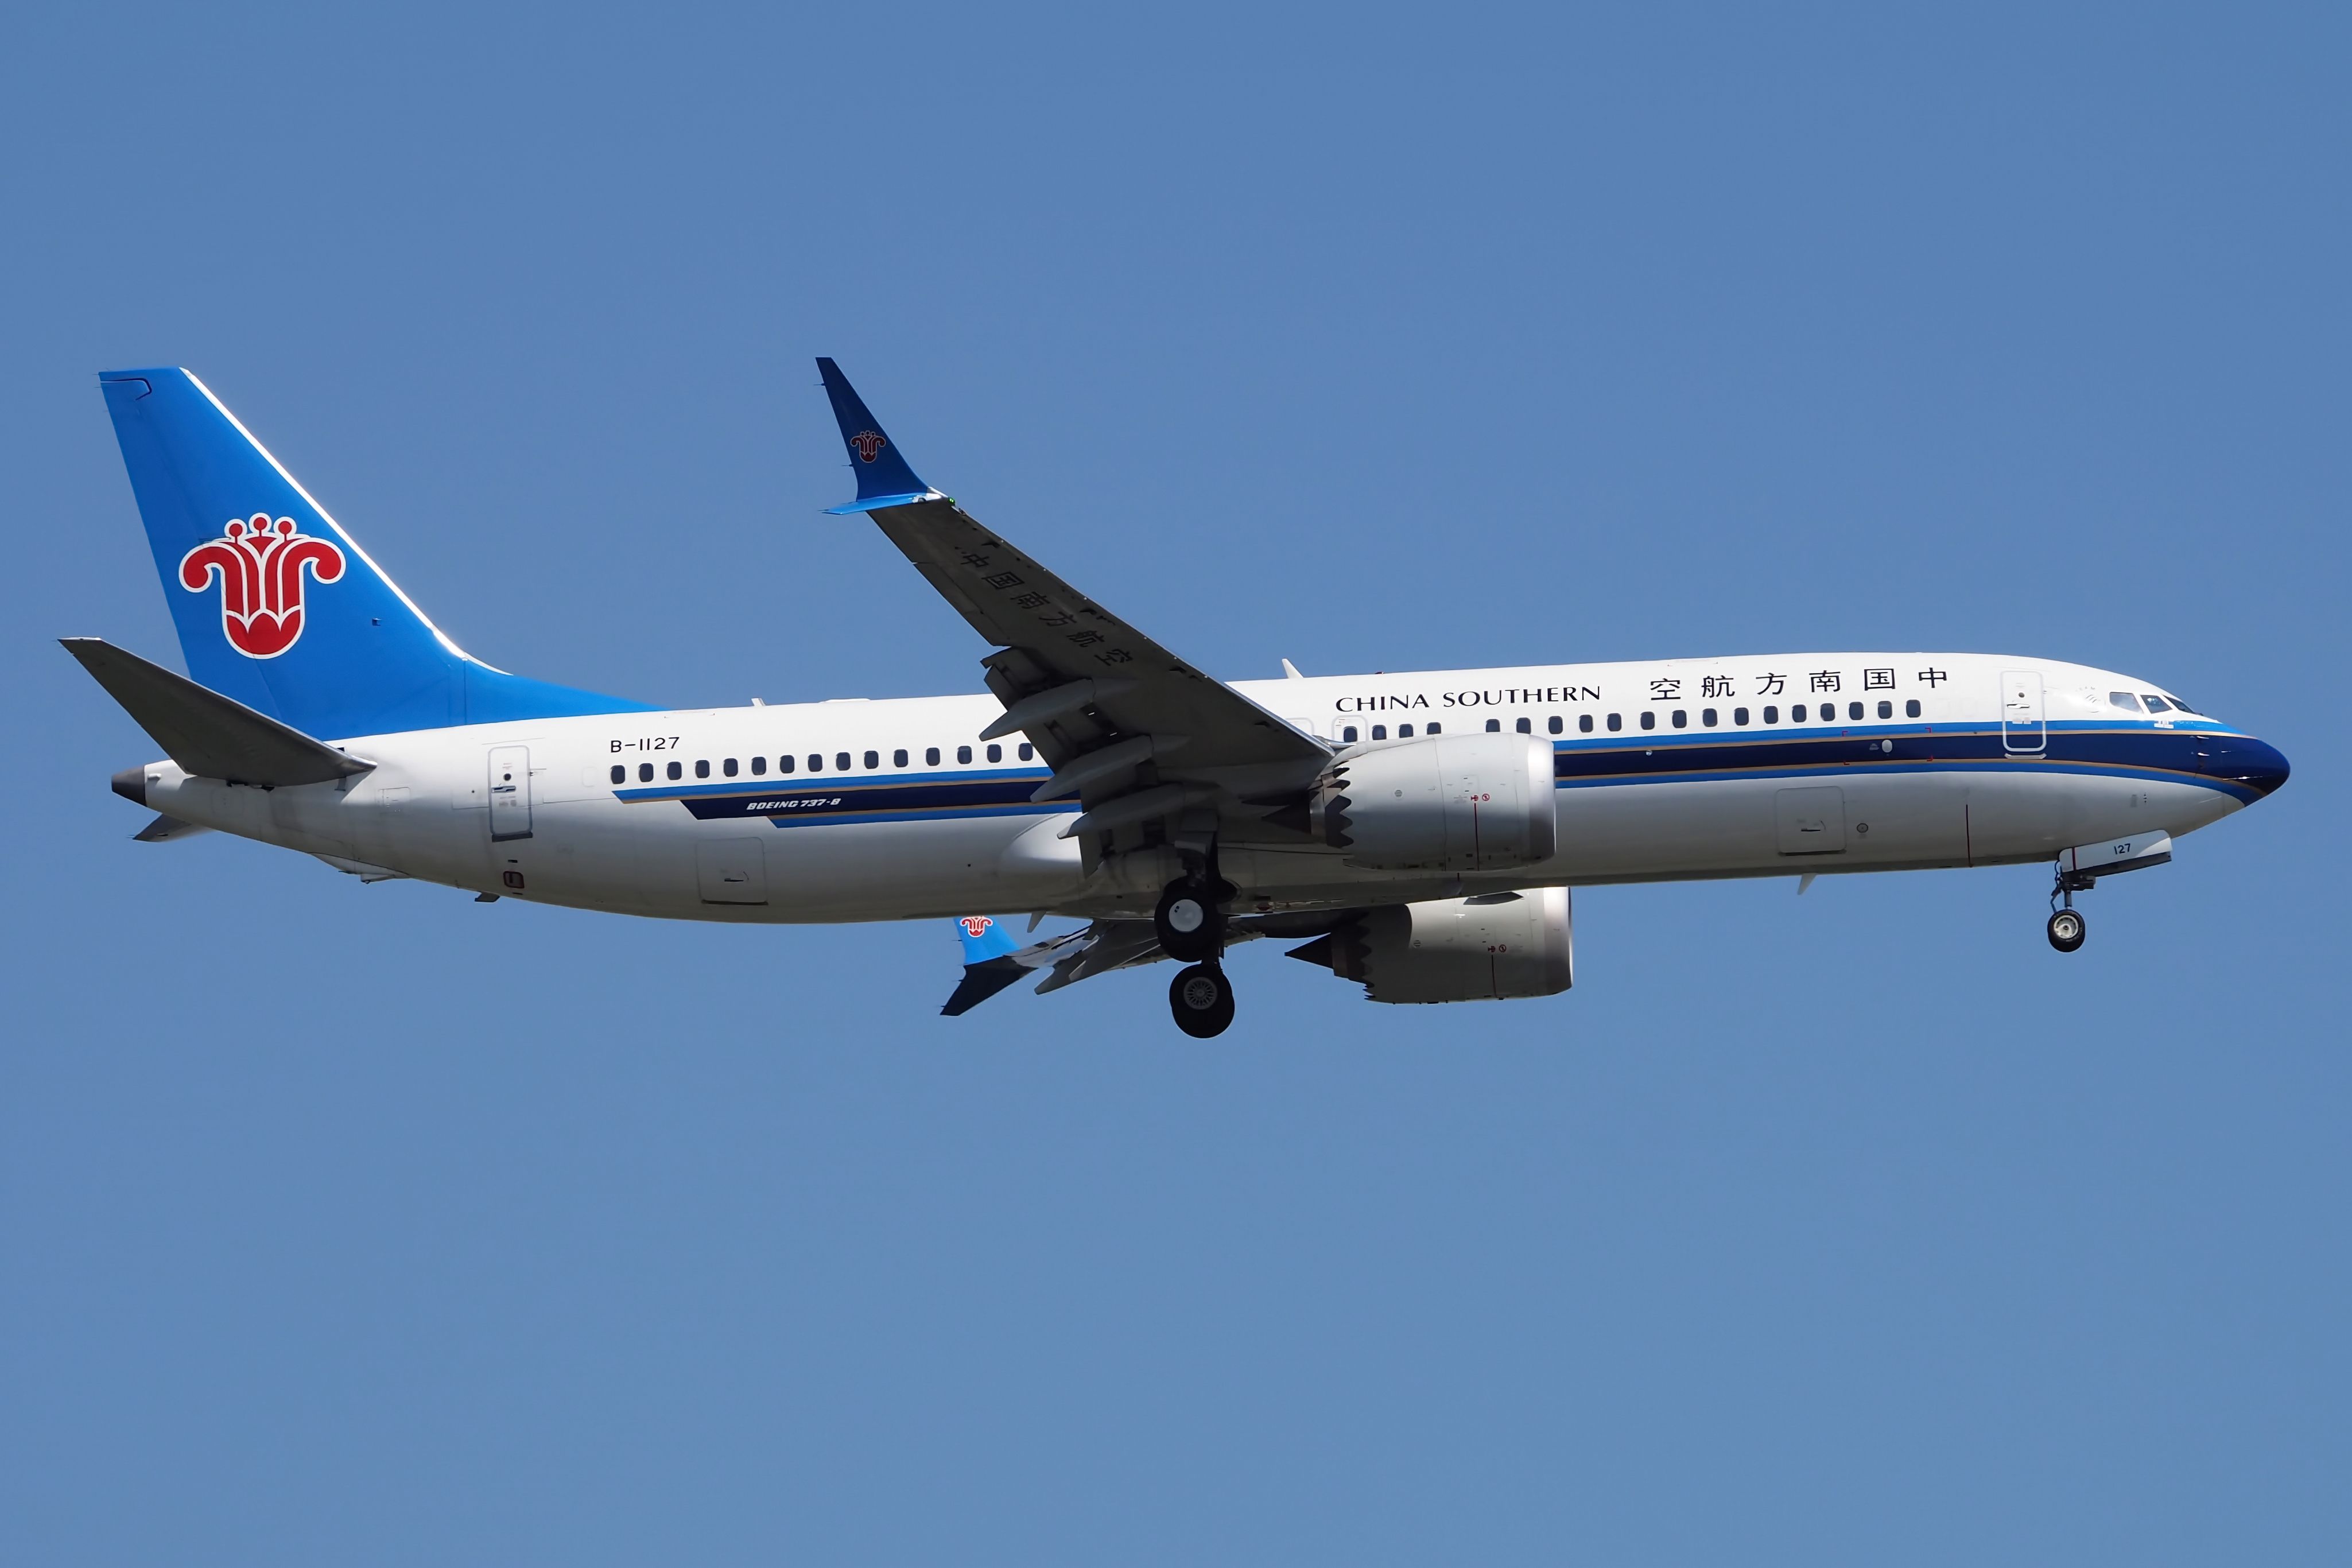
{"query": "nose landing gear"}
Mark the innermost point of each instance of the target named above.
(2066, 929)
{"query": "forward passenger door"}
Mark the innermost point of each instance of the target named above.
(2022, 729)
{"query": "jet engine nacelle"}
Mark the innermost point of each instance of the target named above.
(1452, 802)
(1456, 950)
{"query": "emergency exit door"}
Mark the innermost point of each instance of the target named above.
(510, 793)
(2021, 711)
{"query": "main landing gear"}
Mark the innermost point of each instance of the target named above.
(1192, 930)
(1202, 998)
(2066, 928)
(1187, 921)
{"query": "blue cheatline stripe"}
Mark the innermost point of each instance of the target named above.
(850, 797)
(2088, 749)
(2101, 750)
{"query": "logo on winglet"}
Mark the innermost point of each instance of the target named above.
(976, 926)
(868, 444)
(261, 567)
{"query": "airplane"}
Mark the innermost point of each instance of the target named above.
(1416, 833)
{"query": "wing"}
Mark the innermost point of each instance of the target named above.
(1094, 949)
(1135, 735)
(991, 962)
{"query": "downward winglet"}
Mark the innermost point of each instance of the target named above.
(883, 476)
(989, 965)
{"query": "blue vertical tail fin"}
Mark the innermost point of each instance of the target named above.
(277, 606)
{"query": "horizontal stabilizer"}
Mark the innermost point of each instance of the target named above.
(166, 829)
(211, 736)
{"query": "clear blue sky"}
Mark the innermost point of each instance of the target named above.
(369, 1225)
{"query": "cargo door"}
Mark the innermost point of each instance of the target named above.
(1810, 821)
(510, 793)
(2021, 711)
(732, 871)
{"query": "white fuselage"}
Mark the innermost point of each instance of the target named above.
(1949, 763)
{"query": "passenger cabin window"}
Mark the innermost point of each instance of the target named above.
(1434, 730)
(930, 756)
(1616, 720)
(1681, 719)
(1524, 727)
(1854, 710)
(1739, 716)
(816, 761)
(873, 761)
(675, 770)
(1706, 717)
(1584, 723)
(899, 758)
(1348, 735)
(1911, 709)
(1772, 715)
(1494, 726)
(784, 764)
(1555, 724)
(620, 773)
(727, 767)
(758, 767)
(1796, 712)
(1885, 709)
(995, 753)
(1025, 750)
(645, 773)
(702, 767)
(963, 753)
(1404, 732)
(2125, 700)
(1649, 719)
(1380, 732)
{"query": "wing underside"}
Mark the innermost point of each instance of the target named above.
(1146, 744)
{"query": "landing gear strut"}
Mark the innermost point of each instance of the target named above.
(2066, 928)
(1202, 998)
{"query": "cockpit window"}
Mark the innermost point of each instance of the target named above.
(2157, 704)
(2125, 700)
(2184, 707)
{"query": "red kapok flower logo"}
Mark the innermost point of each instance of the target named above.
(975, 926)
(261, 567)
(869, 444)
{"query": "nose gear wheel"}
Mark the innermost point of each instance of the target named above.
(2066, 930)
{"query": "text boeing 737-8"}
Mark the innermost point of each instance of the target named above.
(1417, 833)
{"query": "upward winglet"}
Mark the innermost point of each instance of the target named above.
(883, 476)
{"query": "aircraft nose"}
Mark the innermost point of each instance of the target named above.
(2257, 765)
